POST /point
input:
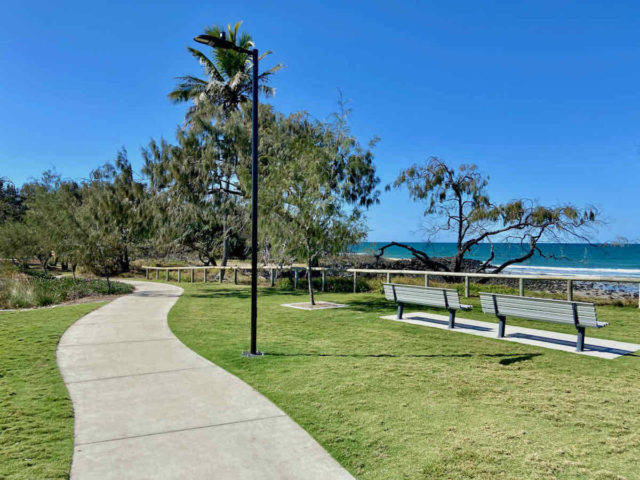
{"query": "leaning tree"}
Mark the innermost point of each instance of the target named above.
(457, 201)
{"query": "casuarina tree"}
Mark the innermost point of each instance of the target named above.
(319, 181)
(456, 201)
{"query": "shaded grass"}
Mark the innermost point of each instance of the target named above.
(398, 401)
(36, 415)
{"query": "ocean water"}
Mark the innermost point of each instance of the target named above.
(559, 259)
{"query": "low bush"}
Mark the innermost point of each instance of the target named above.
(333, 284)
(39, 290)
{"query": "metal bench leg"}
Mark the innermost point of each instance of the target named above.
(580, 342)
(502, 323)
(400, 309)
(452, 318)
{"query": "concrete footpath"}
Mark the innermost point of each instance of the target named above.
(146, 406)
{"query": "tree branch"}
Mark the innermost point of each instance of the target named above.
(417, 254)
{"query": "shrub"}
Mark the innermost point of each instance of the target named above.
(333, 284)
(39, 291)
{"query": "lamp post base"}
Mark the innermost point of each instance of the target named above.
(252, 355)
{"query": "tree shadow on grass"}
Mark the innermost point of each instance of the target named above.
(243, 293)
(505, 358)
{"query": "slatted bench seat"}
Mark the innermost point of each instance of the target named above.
(429, 296)
(579, 314)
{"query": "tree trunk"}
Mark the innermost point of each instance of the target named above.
(106, 274)
(124, 263)
(73, 270)
(310, 282)
(417, 254)
(225, 251)
(44, 261)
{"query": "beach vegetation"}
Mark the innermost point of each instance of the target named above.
(320, 179)
(457, 202)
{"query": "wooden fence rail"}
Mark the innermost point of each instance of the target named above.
(272, 269)
(570, 279)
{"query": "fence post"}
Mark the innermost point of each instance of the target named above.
(179, 275)
(272, 278)
(388, 277)
(146, 273)
(220, 275)
(521, 286)
(569, 290)
(157, 274)
(192, 275)
(295, 278)
(204, 275)
(466, 286)
(324, 280)
(426, 279)
(355, 282)
(235, 276)
(167, 274)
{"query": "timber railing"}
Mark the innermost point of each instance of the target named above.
(274, 269)
(570, 279)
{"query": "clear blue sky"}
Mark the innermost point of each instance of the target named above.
(543, 95)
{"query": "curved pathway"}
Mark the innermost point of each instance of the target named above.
(146, 406)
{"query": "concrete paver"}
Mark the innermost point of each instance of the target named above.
(226, 452)
(146, 406)
(593, 347)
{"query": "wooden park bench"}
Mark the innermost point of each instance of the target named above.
(579, 314)
(429, 296)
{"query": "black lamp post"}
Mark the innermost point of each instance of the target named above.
(222, 42)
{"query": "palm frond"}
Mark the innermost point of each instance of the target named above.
(245, 41)
(267, 91)
(209, 67)
(188, 89)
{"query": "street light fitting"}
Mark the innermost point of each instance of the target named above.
(220, 42)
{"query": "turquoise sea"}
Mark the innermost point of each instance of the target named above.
(559, 259)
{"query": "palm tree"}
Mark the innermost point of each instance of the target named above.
(228, 77)
(227, 84)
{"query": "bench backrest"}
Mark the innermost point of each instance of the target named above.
(549, 310)
(429, 296)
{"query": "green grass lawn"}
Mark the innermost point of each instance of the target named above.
(397, 401)
(36, 415)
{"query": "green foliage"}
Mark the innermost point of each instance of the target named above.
(113, 217)
(228, 77)
(333, 284)
(197, 201)
(317, 179)
(49, 221)
(41, 290)
(36, 437)
(11, 207)
(457, 201)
